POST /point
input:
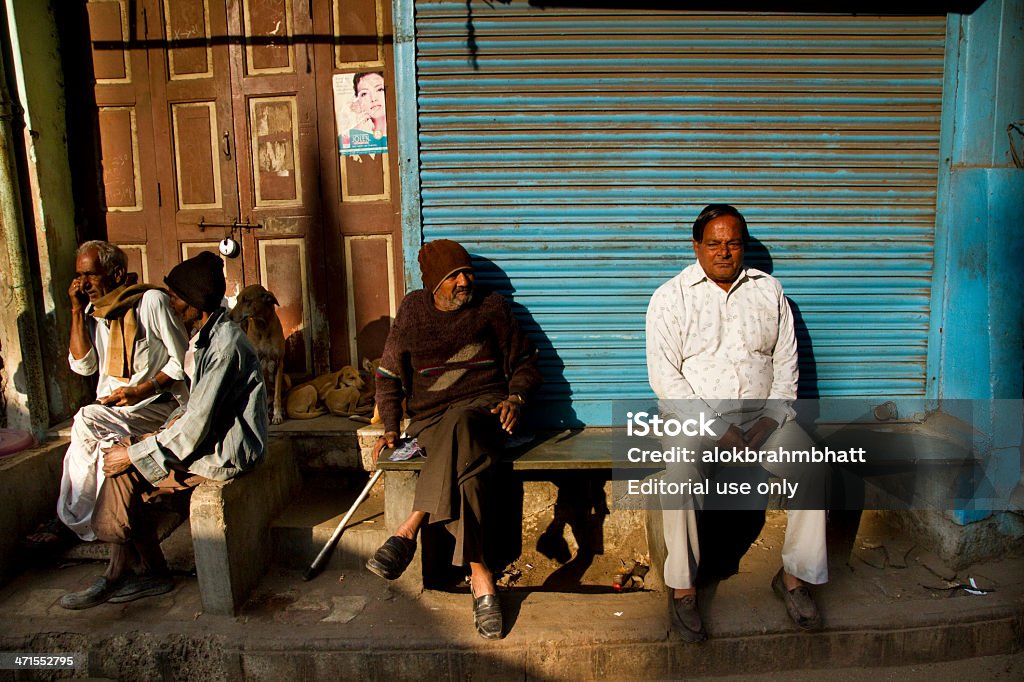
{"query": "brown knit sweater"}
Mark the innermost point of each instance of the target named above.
(433, 358)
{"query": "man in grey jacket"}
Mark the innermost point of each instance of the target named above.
(220, 433)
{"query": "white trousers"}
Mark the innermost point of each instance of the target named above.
(95, 427)
(804, 553)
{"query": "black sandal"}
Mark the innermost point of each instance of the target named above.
(487, 616)
(392, 558)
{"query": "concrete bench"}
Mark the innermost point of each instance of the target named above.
(229, 520)
(579, 449)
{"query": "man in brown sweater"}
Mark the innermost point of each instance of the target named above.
(465, 369)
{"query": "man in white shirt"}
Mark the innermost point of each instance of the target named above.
(720, 337)
(128, 333)
(219, 434)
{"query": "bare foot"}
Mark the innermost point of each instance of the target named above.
(481, 581)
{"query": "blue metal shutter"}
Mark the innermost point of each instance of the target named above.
(573, 148)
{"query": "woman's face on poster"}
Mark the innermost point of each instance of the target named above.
(370, 95)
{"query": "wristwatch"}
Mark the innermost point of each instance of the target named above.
(517, 398)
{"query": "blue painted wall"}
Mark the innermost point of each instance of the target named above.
(977, 316)
(978, 310)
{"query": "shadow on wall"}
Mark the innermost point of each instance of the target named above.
(758, 256)
(581, 504)
(548, 411)
(25, 382)
(370, 339)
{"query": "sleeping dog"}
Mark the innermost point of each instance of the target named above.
(335, 392)
(254, 312)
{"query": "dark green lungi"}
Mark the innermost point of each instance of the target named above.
(463, 442)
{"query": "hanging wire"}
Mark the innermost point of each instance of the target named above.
(1019, 127)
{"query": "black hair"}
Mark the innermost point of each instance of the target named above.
(360, 76)
(712, 211)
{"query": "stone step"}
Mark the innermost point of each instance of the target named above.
(176, 544)
(539, 543)
(890, 604)
(304, 526)
(328, 444)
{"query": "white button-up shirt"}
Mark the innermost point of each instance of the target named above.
(160, 344)
(716, 345)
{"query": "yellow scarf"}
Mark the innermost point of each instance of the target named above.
(118, 307)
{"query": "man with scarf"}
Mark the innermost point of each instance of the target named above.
(128, 333)
(220, 433)
(465, 368)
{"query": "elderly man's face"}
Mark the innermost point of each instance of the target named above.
(455, 290)
(93, 279)
(720, 251)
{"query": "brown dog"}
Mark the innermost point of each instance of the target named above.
(336, 392)
(254, 312)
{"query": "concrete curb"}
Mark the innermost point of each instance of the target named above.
(237, 655)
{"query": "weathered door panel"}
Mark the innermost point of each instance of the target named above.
(214, 113)
(125, 125)
(362, 253)
(275, 112)
(191, 78)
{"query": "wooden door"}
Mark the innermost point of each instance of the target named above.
(124, 120)
(221, 113)
(273, 94)
(361, 197)
(194, 128)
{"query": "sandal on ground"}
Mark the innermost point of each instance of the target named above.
(392, 558)
(487, 616)
(799, 604)
(58, 538)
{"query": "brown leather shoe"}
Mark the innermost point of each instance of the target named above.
(686, 619)
(799, 604)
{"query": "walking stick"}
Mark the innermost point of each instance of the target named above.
(321, 558)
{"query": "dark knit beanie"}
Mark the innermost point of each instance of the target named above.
(440, 258)
(199, 281)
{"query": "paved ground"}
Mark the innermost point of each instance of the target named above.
(893, 604)
(994, 668)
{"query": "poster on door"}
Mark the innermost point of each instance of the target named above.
(360, 113)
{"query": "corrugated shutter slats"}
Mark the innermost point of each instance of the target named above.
(573, 147)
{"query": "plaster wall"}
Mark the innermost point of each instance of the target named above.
(47, 199)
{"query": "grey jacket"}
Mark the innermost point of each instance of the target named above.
(222, 431)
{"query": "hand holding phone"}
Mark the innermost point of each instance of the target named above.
(79, 299)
